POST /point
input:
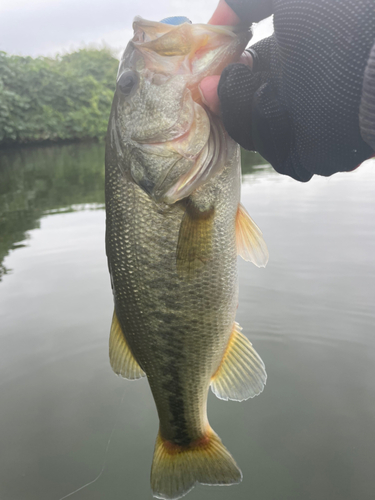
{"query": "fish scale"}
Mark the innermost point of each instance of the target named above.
(188, 323)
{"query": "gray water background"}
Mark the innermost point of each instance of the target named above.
(310, 314)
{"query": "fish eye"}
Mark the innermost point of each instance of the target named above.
(127, 83)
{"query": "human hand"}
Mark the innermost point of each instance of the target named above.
(287, 101)
(208, 86)
(223, 16)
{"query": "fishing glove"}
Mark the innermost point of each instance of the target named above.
(367, 108)
(299, 105)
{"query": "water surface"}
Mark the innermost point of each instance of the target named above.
(310, 315)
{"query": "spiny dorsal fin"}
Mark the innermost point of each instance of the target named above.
(194, 247)
(241, 374)
(120, 356)
(250, 243)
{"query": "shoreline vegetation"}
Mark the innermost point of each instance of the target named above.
(56, 100)
(62, 100)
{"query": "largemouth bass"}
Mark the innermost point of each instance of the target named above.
(174, 228)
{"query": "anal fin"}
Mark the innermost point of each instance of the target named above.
(250, 243)
(120, 356)
(241, 374)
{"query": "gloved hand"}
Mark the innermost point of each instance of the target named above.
(252, 113)
(367, 108)
(299, 104)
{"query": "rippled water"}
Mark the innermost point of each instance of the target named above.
(310, 315)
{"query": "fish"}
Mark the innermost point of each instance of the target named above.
(174, 228)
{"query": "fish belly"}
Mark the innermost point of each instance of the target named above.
(177, 328)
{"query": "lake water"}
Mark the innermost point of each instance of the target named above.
(64, 415)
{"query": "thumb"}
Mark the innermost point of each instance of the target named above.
(208, 91)
(208, 86)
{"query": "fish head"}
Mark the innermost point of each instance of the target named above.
(163, 135)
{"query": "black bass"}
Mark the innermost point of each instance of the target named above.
(174, 228)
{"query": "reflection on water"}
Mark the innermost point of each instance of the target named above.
(310, 315)
(34, 181)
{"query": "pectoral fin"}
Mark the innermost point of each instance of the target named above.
(241, 374)
(120, 356)
(250, 243)
(194, 247)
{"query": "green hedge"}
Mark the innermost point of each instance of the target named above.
(66, 98)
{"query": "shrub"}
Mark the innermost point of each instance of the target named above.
(66, 98)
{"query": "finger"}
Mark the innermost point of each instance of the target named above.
(208, 91)
(208, 86)
(224, 15)
(247, 59)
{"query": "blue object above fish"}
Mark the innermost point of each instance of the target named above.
(175, 20)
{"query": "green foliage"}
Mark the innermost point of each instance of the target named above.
(66, 98)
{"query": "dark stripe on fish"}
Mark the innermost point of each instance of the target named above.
(174, 389)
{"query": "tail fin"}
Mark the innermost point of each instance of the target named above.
(176, 469)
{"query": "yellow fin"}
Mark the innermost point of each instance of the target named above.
(194, 247)
(250, 243)
(176, 469)
(120, 356)
(241, 374)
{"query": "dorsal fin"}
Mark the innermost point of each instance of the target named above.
(250, 243)
(241, 374)
(120, 356)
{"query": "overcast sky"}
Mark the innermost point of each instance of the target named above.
(47, 27)
(44, 27)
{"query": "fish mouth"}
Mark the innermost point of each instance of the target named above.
(193, 50)
(177, 160)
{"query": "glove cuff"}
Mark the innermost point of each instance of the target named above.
(251, 12)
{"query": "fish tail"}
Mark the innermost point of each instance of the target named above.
(176, 469)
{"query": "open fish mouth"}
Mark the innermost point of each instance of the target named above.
(183, 145)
